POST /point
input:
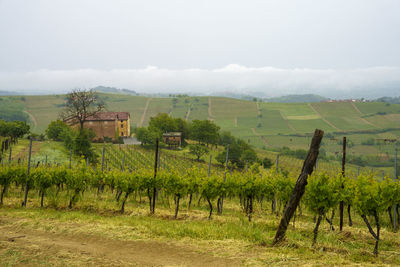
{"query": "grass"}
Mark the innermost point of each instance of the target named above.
(229, 235)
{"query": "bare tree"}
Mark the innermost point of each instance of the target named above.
(80, 105)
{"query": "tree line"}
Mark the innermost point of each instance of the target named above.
(206, 134)
(10, 131)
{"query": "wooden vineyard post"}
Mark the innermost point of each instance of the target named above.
(123, 163)
(9, 155)
(155, 175)
(102, 158)
(221, 202)
(28, 171)
(45, 161)
(158, 161)
(300, 186)
(341, 204)
(394, 208)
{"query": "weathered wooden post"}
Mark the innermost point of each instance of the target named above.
(155, 175)
(102, 157)
(28, 171)
(221, 202)
(341, 204)
(159, 160)
(123, 163)
(45, 161)
(300, 186)
(9, 155)
(394, 208)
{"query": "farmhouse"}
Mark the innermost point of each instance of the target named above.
(109, 124)
(173, 138)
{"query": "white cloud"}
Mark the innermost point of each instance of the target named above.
(369, 82)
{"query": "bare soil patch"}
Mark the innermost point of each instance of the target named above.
(96, 250)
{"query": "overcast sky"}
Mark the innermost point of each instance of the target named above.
(298, 46)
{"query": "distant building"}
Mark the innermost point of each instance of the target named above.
(173, 138)
(109, 125)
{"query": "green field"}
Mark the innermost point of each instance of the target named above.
(263, 125)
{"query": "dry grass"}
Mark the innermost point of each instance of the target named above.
(229, 236)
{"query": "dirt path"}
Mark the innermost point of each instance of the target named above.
(84, 249)
(364, 120)
(33, 119)
(209, 110)
(188, 112)
(259, 135)
(144, 112)
(322, 117)
(287, 122)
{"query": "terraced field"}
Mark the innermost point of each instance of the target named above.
(264, 125)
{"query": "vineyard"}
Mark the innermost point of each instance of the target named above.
(128, 175)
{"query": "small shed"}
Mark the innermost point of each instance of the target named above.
(173, 139)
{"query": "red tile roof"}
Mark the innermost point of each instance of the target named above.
(109, 116)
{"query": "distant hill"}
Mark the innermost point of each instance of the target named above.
(7, 93)
(113, 90)
(391, 100)
(309, 98)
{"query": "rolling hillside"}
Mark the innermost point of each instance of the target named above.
(264, 125)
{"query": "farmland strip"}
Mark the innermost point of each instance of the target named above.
(144, 112)
(322, 117)
(209, 110)
(262, 137)
(364, 120)
(287, 122)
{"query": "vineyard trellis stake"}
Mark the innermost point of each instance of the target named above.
(395, 206)
(102, 158)
(123, 163)
(221, 200)
(28, 171)
(300, 186)
(9, 155)
(341, 204)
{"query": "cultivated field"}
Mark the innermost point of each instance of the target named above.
(265, 125)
